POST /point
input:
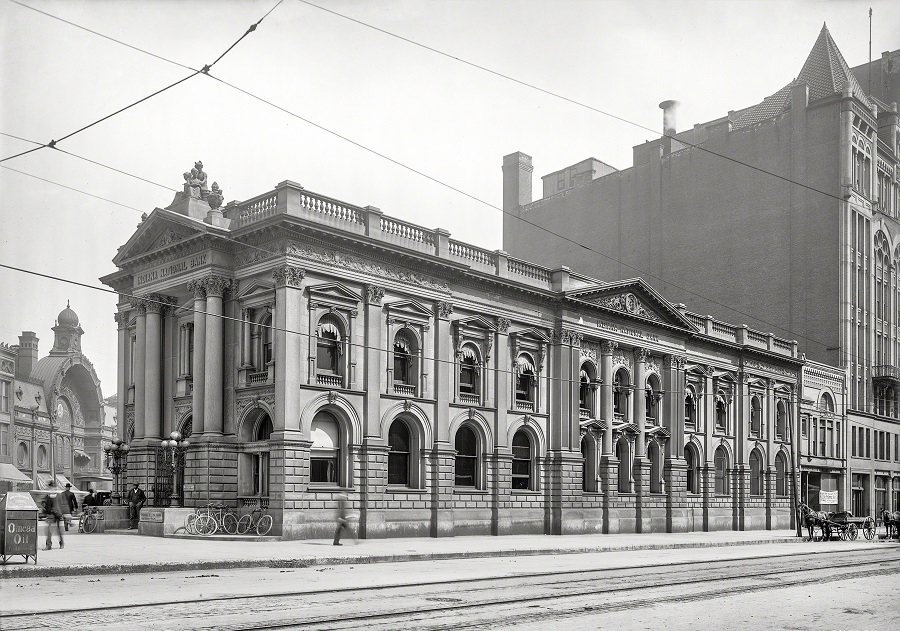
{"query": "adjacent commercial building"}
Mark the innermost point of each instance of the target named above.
(51, 414)
(784, 215)
(311, 347)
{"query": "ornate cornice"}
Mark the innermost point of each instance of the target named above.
(288, 275)
(374, 294)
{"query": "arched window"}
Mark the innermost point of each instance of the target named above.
(466, 443)
(652, 395)
(826, 402)
(781, 479)
(589, 470)
(620, 394)
(755, 416)
(253, 464)
(469, 371)
(525, 380)
(405, 360)
(325, 453)
(721, 462)
(690, 407)
(398, 454)
(42, 457)
(585, 392)
(780, 420)
(329, 349)
(721, 414)
(22, 459)
(265, 341)
(656, 467)
(756, 481)
(521, 462)
(623, 453)
(692, 460)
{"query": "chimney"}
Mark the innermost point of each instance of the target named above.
(26, 355)
(517, 172)
(669, 109)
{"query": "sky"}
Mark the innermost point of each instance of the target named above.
(354, 101)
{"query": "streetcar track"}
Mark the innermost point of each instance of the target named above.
(447, 606)
(338, 590)
(418, 612)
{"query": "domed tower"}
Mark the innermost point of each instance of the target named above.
(67, 333)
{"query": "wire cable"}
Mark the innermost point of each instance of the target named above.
(194, 73)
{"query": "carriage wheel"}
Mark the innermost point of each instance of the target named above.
(89, 524)
(844, 533)
(852, 532)
(869, 528)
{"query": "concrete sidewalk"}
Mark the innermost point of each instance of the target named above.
(127, 552)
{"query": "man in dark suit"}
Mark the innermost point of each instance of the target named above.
(71, 503)
(136, 499)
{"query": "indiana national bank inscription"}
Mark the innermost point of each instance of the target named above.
(625, 330)
(172, 269)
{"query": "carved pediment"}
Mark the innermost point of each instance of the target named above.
(633, 298)
(476, 322)
(250, 289)
(334, 293)
(157, 232)
(532, 334)
(409, 310)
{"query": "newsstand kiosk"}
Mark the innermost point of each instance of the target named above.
(19, 519)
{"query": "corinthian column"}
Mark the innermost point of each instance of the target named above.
(156, 306)
(215, 342)
(639, 411)
(199, 360)
(606, 394)
(140, 368)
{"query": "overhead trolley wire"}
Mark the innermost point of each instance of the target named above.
(194, 73)
(639, 271)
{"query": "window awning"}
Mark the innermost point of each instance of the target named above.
(523, 365)
(469, 353)
(11, 474)
(43, 481)
(329, 327)
(584, 377)
(62, 481)
(403, 343)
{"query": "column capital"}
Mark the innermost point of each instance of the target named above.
(676, 361)
(158, 303)
(444, 309)
(562, 335)
(608, 347)
(503, 325)
(288, 276)
(121, 318)
(197, 288)
(216, 285)
(641, 355)
(374, 294)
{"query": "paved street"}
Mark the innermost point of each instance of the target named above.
(815, 584)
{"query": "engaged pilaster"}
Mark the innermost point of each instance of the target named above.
(213, 422)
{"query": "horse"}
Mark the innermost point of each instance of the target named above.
(891, 522)
(811, 519)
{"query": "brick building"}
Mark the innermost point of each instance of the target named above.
(311, 347)
(808, 250)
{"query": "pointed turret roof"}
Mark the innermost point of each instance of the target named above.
(825, 72)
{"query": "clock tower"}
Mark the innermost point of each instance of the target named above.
(67, 333)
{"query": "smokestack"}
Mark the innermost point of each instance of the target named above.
(669, 109)
(27, 354)
(517, 169)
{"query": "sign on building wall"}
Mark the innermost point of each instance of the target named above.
(828, 497)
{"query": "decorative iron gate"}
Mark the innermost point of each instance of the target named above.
(162, 485)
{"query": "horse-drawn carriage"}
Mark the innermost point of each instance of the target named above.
(891, 523)
(822, 526)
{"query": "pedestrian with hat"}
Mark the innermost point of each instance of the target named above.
(71, 502)
(136, 498)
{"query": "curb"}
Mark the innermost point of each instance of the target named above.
(33, 571)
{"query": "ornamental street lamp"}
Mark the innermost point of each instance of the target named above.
(117, 463)
(172, 462)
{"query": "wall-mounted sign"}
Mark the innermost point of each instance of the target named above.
(151, 514)
(828, 497)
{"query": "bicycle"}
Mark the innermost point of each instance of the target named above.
(257, 520)
(88, 522)
(212, 519)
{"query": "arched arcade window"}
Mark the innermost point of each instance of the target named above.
(466, 464)
(522, 464)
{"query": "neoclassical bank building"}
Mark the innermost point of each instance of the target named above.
(309, 347)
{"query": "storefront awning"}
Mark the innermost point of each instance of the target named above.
(62, 481)
(10, 473)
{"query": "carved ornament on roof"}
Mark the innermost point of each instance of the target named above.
(627, 303)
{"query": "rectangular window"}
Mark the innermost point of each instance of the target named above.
(868, 443)
(803, 426)
(323, 467)
(4, 396)
(830, 441)
(4, 440)
(822, 437)
(815, 436)
(837, 440)
(853, 442)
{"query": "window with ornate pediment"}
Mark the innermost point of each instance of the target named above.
(721, 412)
(469, 374)
(781, 421)
(755, 416)
(721, 471)
(690, 406)
(526, 382)
(587, 389)
(522, 464)
(407, 325)
(466, 472)
(407, 361)
(330, 342)
(621, 390)
(652, 395)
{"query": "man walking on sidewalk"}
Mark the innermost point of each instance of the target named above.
(71, 504)
(53, 508)
(342, 514)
